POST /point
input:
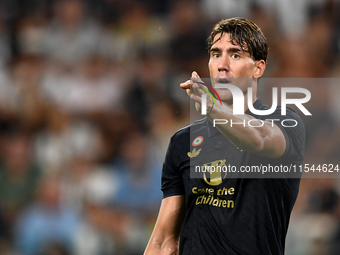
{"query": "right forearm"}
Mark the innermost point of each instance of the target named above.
(162, 248)
(164, 239)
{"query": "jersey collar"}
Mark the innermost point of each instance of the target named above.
(257, 105)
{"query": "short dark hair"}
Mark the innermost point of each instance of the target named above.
(244, 33)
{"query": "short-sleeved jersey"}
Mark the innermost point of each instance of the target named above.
(224, 214)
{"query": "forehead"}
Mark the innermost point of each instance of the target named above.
(224, 39)
(221, 37)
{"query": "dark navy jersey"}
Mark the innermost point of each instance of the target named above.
(232, 212)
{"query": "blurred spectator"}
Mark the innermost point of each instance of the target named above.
(114, 128)
(45, 222)
(91, 89)
(163, 122)
(310, 234)
(147, 86)
(71, 36)
(31, 35)
(93, 237)
(100, 231)
(75, 176)
(84, 180)
(140, 31)
(334, 246)
(188, 50)
(311, 231)
(138, 174)
(293, 16)
(18, 173)
(21, 95)
(26, 79)
(223, 9)
(63, 139)
(5, 47)
(138, 193)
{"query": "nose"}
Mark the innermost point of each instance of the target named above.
(224, 64)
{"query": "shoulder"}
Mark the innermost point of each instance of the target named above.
(180, 141)
(284, 117)
(289, 119)
(184, 133)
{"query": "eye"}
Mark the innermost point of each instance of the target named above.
(235, 56)
(215, 55)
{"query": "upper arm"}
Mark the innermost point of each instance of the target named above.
(165, 236)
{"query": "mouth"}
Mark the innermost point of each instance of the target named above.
(223, 80)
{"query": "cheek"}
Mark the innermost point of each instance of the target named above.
(247, 70)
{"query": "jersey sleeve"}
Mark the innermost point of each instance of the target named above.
(172, 181)
(293, 130)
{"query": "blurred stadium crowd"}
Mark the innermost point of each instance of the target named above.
(89, 98)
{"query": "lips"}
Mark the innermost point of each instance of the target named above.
(223, 80)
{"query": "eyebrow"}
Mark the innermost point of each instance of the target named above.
(230, 50)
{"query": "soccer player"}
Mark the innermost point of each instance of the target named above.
(228, 213)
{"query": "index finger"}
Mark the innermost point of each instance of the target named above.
(186, 85)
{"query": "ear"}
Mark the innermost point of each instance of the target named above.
(260, 66)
